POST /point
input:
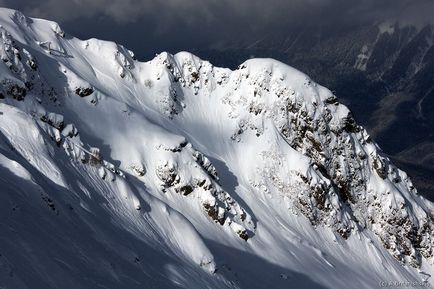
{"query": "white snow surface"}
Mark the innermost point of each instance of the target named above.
(173, 173)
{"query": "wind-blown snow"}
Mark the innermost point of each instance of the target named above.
(174, 173)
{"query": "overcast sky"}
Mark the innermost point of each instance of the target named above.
(150, 26)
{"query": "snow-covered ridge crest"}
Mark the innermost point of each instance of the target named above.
(188, 157)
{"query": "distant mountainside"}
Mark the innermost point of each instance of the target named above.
(175, 173)
(384, 73)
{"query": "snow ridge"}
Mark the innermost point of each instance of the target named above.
(190, 162)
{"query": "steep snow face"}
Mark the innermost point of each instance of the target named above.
(174, 173)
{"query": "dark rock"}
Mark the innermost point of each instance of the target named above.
(213, 213)
(350, 124)
(49, 202)
(95, 158)
(185, 190)
(380, 168)
(194, 76)
(52, 122)
(29, 85)
(17, 92)
(243, 235)
(332, 100)
(32, 63)
(84, 91)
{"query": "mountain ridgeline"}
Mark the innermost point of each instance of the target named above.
(174, 173)
(383, 72)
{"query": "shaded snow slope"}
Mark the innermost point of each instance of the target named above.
(174, 173)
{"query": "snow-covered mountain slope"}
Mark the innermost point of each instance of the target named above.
(383, 71)
(174, 173)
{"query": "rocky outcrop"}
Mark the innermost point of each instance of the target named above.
(351, 185)
(201, 181)
(84, 91)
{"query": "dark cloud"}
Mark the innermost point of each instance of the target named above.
(155, 25)
(188, 11)
(259, 12)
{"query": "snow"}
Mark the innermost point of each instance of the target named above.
(173, 173)
(386, 27)
(363, 57)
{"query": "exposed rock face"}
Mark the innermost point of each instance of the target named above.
(383, 71)
(84, 91)
(16, 92)
(202, 179)
(55, 120)
(350, 166)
